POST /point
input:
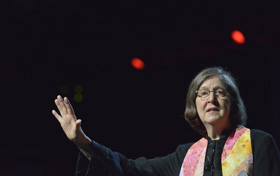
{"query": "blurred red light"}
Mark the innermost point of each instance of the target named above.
(137, 63)
(238, 37)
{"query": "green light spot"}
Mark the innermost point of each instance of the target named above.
(78, 97)
(78, 89)
(63, 90)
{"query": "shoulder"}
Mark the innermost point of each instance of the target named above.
(262, 139)
(259, 132)
(260, 135)
(183, 149)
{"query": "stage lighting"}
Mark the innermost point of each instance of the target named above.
(78, 97)
(137, 63)
(63, 90)
(238, 37)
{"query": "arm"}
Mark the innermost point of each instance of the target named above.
(169, 165)
(100, 160)
(95, 158)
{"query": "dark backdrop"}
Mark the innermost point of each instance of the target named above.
(49, 44)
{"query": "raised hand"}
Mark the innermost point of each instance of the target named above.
(69, 123)
(67, 119)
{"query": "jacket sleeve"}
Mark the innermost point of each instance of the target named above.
(266, 157)
(105, 162)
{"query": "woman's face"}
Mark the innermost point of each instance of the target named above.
(213, 110)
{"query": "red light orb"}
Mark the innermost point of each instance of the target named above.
(238, 37)
(137, 63)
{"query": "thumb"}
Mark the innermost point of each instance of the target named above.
(78, 123)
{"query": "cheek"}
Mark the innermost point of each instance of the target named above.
(199, 106)
(227, 106)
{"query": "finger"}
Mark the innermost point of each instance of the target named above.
(61, 106)
(69, 107)
(78, 123)
(56, 101)
(56, 115)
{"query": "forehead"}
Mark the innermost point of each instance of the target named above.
(212, 82)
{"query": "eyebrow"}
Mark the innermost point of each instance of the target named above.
(216, 87)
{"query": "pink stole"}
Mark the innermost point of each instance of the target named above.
(237, 156)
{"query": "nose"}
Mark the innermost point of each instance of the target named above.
(212, 97)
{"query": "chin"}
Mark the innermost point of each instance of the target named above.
(212, 119)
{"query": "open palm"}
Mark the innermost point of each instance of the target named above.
(67, 119)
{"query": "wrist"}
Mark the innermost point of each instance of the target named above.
(82, 140)
(85, 147)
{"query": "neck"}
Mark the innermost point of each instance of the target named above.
(214, 131)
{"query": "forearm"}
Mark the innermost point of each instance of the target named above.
(102, 161)
(83, 142)
(85, 148)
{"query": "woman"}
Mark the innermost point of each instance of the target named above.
(214, 108)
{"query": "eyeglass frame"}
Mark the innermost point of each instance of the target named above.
(214, 91)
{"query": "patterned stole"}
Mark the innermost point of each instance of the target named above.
(237, 156)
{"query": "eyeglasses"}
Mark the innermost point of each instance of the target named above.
(204, 93)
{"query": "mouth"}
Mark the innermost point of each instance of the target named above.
(212, 110)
